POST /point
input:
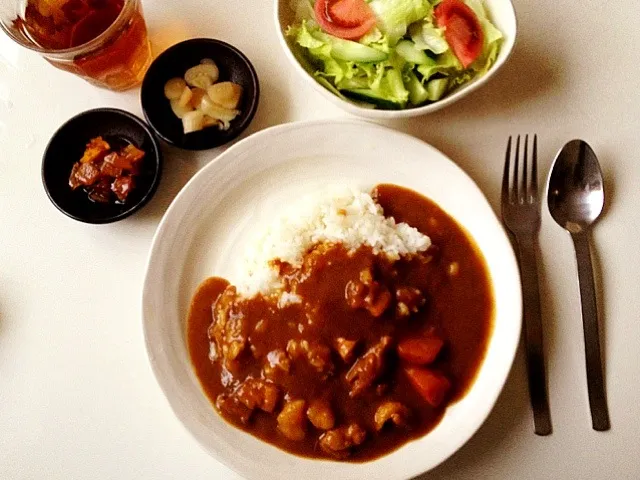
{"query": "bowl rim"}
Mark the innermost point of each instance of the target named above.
(253, 107)
(157, 170)
(372, 113)
(152, 271)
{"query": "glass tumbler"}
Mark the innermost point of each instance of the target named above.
(116, 59)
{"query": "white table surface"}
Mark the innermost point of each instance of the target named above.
(77, 397)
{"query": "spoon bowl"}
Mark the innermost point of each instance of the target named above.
(576, 187)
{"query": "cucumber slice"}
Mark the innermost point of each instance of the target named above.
(408, 50)
(351, 51)
(417, 93)
(437, 88)
(369, 96)
(356, 52)
(393, 78)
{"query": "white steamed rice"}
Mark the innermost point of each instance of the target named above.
(338, 215)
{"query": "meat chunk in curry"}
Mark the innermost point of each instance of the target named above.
(231, 406)
(339, 442)
(317, 355)
(394, 412)
(257, 393)
(346, 348)
(367, 293)
(368, 367)
(228, 329)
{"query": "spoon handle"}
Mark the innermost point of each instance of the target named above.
(533, 335)
(595, 379)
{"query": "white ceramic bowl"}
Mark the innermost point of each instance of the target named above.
(501, 13)
(208, 224)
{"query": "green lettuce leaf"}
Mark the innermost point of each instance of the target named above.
(428, 37)
(318, 52)
(374, 37)
(395, 16)
(303, 9)
(303, 36)
(445, 64)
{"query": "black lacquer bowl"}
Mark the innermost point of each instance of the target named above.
(67, 147)
(234, 66)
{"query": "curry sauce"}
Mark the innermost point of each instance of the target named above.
(328, 376)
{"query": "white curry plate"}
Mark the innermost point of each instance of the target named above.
(205, 229)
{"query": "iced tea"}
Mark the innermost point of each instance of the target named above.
(104, 41)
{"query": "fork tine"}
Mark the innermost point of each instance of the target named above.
(534, 169)
(524, 194)
(505, 175)
(514, 185)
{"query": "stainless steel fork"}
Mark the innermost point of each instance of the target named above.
(521, 215)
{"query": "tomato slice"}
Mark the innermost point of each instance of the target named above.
(420, 351)
(462, 31)
(431, 386)
(348, 19)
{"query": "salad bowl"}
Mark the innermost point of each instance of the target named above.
(496, 19)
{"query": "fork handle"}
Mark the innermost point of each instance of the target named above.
(533, 335)
(595, 378)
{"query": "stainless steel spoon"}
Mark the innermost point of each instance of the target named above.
(576, 197)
